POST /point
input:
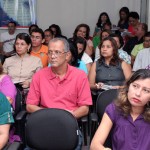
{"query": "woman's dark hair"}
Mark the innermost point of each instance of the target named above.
(58, 30)
(82, 41)
(49, 30)
(77, 29)
(38, 30)
(134, 15)
(99, 23)
(119, 37)
(74, 52)
(123, 103)
(26, 38)
(126, 11)
(32, 26)
(115, 59)
(108, 31)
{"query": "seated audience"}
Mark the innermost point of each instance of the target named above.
(109, 69)
(6, 119)
(97, 39)
(73, 60)
(7, 40)
(142, 59)
(32, 26)
(57, 31)
(121, 53)
(139, 47)
(104, 34)
(80, 42)
(7, 87)
(128, 117)
(48, 35)
(124, 19)
(38, 49)
(140, 31)
(22, 66)
(83, 30)
(133, 22)
(103, 18)
(60, 85)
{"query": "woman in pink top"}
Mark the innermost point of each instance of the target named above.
(7, 87)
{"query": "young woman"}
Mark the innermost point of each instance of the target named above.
(48, 35)
(124, 16)
(109, 69)
(83, 30)
(22, 66)
(103, 18)
(128, 116)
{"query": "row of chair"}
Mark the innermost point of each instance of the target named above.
(56, 128)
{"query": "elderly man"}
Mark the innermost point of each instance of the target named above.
(61, 85)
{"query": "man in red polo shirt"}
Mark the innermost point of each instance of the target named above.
(61, 85)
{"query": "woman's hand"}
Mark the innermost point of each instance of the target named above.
(99, 85)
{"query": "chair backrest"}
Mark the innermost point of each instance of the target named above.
(18, 102)
(104, 99)
(52, 129)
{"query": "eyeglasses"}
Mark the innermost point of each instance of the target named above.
(55, 53)
(35, 37)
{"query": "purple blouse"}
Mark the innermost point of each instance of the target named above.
(128, 135)
(8, 88)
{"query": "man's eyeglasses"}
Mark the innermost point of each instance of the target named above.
(56, 53)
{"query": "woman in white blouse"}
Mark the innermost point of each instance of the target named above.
(22, 66)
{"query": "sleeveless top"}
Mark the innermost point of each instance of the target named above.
(109, 74)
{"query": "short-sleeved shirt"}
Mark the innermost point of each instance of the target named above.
(5, 111)
(128, 134)
(42, 54)
(48, 91)
(109, 74)
(142, 59)
(136, 49)
(8, 41)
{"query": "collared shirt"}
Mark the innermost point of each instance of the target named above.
(48, 91)
(21, 69)
(142, 59)
(42, 54)
(128, 134)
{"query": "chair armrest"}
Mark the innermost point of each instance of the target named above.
(93, 117)
(84, 119)
(13, 146)
(22, 114)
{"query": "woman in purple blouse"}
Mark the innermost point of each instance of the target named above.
(7, 87)
(128, 117)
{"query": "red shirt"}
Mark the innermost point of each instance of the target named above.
(48, 91)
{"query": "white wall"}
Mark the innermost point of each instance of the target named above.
(69, 13)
